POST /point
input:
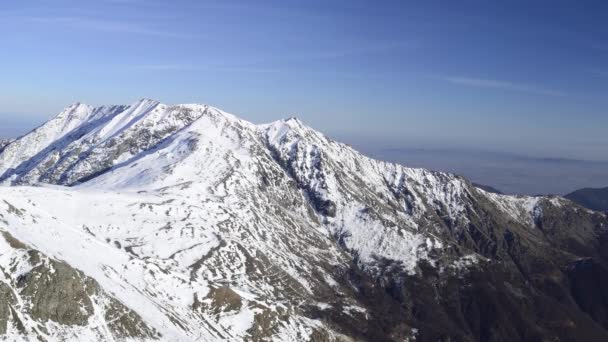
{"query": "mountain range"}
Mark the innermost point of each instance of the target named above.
(149, 222)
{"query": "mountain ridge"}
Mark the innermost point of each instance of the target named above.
(206, 226)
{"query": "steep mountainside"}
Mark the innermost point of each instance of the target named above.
(4, 142)
(185, 223)
(594, 199)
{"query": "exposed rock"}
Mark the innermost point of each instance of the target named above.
(4, 142)
(57, 292)
(7, 301)
(52, 291)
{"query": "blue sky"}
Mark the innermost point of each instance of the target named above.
(521, 76)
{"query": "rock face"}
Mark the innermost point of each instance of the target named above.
(47, 299)
(4, 142)
(185, 223)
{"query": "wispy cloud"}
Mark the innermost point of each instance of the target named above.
(187, 67)
(599, 72)
(505, 85)
(122, 2)
(96, 24)
(362, 49)
(600, 46)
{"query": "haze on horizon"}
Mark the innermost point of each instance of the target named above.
(515, 77)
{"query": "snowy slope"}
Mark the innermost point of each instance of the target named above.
(208, 227)
(34, 142)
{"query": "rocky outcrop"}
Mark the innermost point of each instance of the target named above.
(47, 299)
(4, 142)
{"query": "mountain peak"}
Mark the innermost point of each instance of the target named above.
(146, 102)
(75, 110)
(287, 124)
(293, 119)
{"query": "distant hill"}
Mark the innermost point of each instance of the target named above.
(594, 199)
(273, 232)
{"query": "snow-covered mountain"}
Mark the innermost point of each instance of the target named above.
(186, 223)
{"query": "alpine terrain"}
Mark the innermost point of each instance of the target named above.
(151, 222)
